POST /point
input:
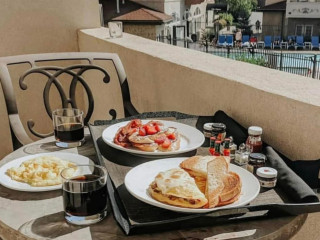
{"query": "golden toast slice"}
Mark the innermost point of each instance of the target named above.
(232, 189)
(217, 170)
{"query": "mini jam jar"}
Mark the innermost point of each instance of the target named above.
(256, 160)
(207, 129)
(267, 177)
(219, 131)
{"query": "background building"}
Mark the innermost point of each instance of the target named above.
(303, 18)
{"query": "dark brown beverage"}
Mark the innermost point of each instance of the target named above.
(69, 132)
(90, 201)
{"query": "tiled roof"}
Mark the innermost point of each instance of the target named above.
(280, 6)
(144, 15)
(110, 8)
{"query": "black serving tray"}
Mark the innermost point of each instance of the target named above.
(135, 216)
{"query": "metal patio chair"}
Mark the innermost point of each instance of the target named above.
(299, 42)
(45, 65)
(268, 42)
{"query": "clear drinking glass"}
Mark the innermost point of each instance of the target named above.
(68, 127)
(84, 194)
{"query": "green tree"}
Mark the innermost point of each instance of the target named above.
(241, 8)
(224, 19)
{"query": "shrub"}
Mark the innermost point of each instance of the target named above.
(261, 61)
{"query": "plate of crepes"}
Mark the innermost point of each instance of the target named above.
(153, 137)
(193, 185)
(39, 172)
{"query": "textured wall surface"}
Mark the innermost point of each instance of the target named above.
(164, 77)
(39, 26)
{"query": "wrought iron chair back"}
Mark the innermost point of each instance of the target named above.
(52, 73)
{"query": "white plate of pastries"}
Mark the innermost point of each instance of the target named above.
(153, 137)
(193, 185)
(39, 172)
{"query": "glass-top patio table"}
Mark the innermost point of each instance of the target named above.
(27, 215)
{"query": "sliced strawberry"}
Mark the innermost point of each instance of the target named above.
(171, 136)
(142, 132)
(160, 139)
(157, 127)
(151, 130)
(166, 143)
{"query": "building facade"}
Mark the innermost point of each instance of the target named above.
(303, 18)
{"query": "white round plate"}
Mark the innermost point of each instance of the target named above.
(138, 179)
(191, 138)
(6, 181)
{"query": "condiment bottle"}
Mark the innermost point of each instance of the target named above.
(219, 131)
(267, 177)
(226, 148)
(241, 155)
(233, 148)
(217, 148)
(256, 160)
(254, 142)
(212, 142)
(207, 129)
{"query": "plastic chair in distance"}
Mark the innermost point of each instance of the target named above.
(299, 42)
(267, 42)
(229, 40)
(221, 41)
(245, 41)
(315, 42)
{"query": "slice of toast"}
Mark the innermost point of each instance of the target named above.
(196, 166)
(217, 171)
(232, 188)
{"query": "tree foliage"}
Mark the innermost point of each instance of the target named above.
(224, 19)
(241, 8)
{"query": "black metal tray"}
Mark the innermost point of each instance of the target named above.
(135, 216)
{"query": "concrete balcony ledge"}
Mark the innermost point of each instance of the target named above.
(165, 77)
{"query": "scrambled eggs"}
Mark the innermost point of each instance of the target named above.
(41, 171)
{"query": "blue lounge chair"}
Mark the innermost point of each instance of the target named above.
(315, 42)
(299, 42)
(291, 42)
(276, 42)
(229, 40)
(267, 42)
(221, 41)
(245, 41)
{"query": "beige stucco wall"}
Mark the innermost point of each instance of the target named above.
(39, 26)
(142, 30)
(164, 77)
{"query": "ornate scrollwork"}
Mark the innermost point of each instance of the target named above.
(53, 73)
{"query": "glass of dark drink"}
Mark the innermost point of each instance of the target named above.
(84, 194)
(68, 127)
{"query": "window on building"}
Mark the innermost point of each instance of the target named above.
(299, 30)
(304, 30)
(308, 30)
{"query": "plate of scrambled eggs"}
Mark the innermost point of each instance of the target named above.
(39, 172)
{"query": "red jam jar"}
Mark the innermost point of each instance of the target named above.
(254, 142)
